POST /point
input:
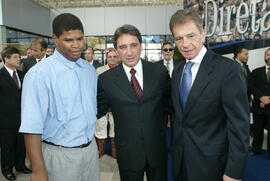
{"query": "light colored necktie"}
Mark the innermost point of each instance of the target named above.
(168, 66)
(185, 84)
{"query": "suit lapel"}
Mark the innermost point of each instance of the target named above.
(123, 83)
(176, 79)
(148, 78)
(9, 79)
(263, 75)
(201, 81)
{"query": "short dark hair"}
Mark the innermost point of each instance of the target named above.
(126, 29)
(166, 43)
(40, 41)
(237, 51)
(66, 22)
(266, 51)
(183, 16)
(8, 51)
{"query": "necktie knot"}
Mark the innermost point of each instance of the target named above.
(189, 65)
(132, 71)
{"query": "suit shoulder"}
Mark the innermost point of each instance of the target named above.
(159, 62)
(109, 72)
(259, 69)
(225, 61)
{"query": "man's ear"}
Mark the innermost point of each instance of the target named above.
(55, 38)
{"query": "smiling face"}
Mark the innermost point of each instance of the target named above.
(112, 58)
(89, 54)
(129, 49)
(188, 39)
(70, 44)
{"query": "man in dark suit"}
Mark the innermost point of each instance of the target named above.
(89, 57)
(38, 47)
(167, 51)
(260, 88)
(211, 120)
(137, 92)
(11, 141)
(241, 56)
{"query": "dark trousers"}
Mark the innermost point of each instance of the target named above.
(182, 174)
(12, 150)
(152, 174)
(259, 123)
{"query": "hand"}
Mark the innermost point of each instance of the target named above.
(262, 105)
(39, 176)
(265, 100)
(226, 178)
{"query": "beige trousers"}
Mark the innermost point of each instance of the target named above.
(71, 164)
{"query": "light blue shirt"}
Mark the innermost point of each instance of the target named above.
(59, 101)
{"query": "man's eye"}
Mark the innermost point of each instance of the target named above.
(178, 38)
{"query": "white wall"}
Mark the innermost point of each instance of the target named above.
(26, 15)
(104, 21)
(256, 58)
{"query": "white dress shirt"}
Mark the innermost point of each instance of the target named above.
(10, 71)
(170, 65)
(138, 74)
(197, 62)
(38, 60)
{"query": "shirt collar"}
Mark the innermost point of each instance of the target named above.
(199, 57)
(10, 71)
(165, 61)
(137, 67)
(239, 61)
(42, 58)
(67, 62)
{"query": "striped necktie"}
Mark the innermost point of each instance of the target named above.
(135, 84)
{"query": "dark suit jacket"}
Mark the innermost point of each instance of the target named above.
(10, 100)
(139, 125)
(211, 136)
(96, 64)
(259, 87)
(28, 63)
(175, 62)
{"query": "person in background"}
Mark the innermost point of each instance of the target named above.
(28, 52)
(167, 50)
(101, 124)
(241, 56)
(59, 109)
(89, 57)
(211, 110)
(11, 141)
(49, 51)
(260, 89)
(38, 48)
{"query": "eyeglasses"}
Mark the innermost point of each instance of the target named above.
(167, 49)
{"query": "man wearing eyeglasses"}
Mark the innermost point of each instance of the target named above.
(167, 51)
